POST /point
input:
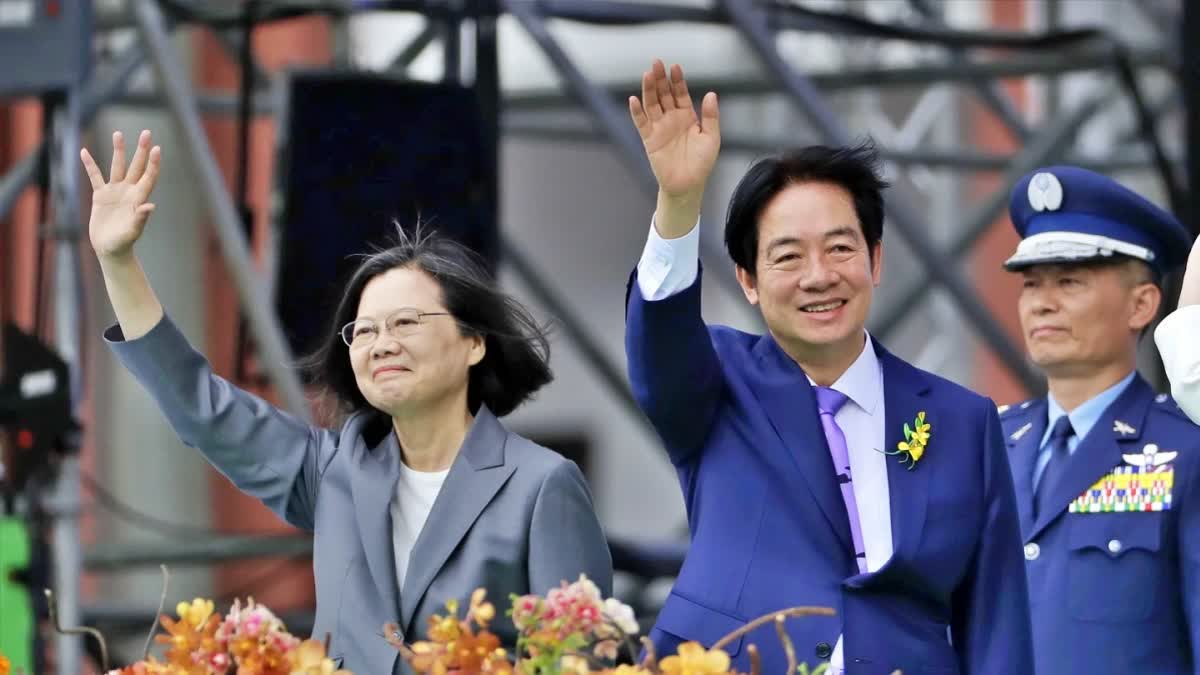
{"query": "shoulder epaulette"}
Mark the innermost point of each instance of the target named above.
(1009, 410)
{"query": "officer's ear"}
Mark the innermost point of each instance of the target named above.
(1145, 296)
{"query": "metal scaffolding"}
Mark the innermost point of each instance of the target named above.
(759, 24)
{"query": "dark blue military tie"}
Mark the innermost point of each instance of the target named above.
(1059, 454)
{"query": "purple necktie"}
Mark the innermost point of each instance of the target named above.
(829, 401)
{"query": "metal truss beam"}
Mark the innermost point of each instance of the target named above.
(522, 126)
(963, 72)
(989, 92)
(1043, 148)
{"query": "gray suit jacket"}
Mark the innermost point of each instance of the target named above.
(512, 516)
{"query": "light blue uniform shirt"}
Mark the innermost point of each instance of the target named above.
(1082, 418)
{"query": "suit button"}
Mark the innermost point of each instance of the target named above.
(824, 651)
(1032, 551)
(1114, 546)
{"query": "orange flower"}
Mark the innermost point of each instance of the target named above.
(190, 646)
(309, 659)
(5, 665)
(470, 652)
(693, 659)
(429, 657)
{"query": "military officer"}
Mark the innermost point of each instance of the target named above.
(1107, 472)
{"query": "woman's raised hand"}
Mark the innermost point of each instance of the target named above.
(120, 206)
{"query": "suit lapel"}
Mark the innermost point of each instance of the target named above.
(786, 396)
(374, 485)
(1023, 445)
(904, 395)
(1099, 451)
(476, 476)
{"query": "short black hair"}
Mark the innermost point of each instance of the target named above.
(516, 362)
(855, 169)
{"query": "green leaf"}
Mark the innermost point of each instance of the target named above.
(907, 432)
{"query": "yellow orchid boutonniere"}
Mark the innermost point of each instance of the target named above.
(916, 439)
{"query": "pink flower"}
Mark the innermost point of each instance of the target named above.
(252, 624)
(587, 614)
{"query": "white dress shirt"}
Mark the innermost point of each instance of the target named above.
(1179, 345)
(669, 266)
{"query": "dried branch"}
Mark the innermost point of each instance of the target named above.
(788, 647)
(767, 618)
(755, 660)
(83, 630)
(651, 661)
(162, 604)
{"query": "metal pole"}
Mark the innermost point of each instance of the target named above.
(452, 48)
(753, 27)
(414, 48)
(612, 120)
(268, 336)
(487, 91)
(1189, 28)
(63, 501)
(1049, 144)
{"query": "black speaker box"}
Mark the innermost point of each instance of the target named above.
(358, 153)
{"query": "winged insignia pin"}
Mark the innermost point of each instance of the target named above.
(1150, 456)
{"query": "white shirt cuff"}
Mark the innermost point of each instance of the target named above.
(668, 266)
(1180, 351)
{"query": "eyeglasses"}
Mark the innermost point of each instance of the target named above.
(400, 324)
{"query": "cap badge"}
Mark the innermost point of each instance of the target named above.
(1045, 192)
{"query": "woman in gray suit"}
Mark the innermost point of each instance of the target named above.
(420, 495)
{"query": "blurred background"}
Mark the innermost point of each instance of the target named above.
(294, 131)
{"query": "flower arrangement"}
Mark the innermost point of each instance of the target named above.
(573, 631)
(247, 640)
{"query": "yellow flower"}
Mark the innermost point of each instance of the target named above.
(917, 438)
(694, 659)
(196, 613)
(626, 669)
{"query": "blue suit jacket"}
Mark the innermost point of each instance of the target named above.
(1112, 592)
(769, 528)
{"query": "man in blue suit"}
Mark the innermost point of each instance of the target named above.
(817, 468)
(1106, 471)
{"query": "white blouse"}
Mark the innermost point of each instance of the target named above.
(1178, 340)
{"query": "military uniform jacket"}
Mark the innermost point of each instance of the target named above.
(1113, 564)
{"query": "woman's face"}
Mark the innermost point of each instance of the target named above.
(408, 354)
